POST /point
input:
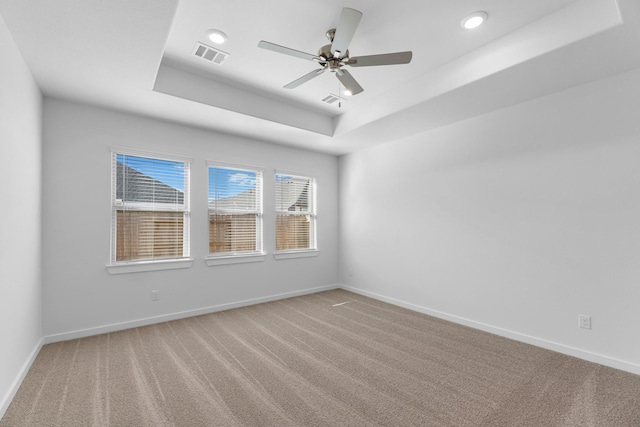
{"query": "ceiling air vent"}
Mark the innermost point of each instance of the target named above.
(331, 98)
(209, 53)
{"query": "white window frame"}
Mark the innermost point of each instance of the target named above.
(257, 255)
(141, 265)
(311, 251)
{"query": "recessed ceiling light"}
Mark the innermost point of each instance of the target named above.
(474, 20)
(347, 92)
(217, 36)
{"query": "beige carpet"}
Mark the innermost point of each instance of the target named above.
(305, 362)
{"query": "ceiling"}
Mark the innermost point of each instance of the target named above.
(137, 56)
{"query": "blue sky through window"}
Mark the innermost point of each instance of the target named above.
(168, 172)
(225, 182)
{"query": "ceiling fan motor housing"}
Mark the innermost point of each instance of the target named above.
(330, 60)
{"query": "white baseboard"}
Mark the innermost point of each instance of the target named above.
(8, 397)
(539, 342)
(178, 315)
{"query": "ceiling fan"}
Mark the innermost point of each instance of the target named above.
(336, 54)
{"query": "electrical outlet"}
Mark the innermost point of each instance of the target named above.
(584, 321)
(155, 295)
(351, 272)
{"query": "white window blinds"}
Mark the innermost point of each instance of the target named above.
(150, 208)
(235, 211)
(295, 212)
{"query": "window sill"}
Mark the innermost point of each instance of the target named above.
(233, 259)
(136, 267)
(296, 254)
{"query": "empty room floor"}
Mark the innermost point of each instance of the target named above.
(331, 358)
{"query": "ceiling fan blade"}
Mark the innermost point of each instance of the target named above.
(348, 82)
(347, 26)
(383, 59)
(305, 78)
(288, 51)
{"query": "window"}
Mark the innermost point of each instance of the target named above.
(235, 211)
(295, 213)
(150, 208)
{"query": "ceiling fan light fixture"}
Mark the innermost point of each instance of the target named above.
(217, 36)
(474, 20)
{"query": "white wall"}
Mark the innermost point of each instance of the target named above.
(81, 297)
(515, 222)
(20, 151)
